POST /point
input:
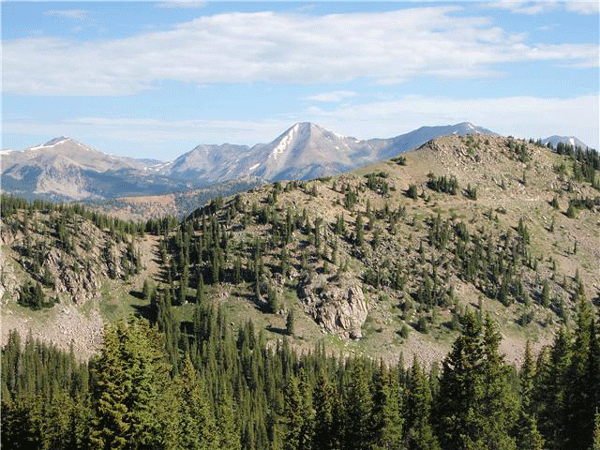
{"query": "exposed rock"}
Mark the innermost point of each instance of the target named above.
(340, 308)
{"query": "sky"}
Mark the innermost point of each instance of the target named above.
(156, 79)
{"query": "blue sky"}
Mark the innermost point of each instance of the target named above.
(156, 79)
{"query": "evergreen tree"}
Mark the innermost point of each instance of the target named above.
(198, 428)
(550, 389)
(419, 433)
(387, 417)
(579, 398)
(290, 324)
(129, 373)
(324, 437)
(528, 436)
(295, 416)
(358, 406)
(475, 405)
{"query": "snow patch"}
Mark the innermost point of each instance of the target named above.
(254, 167)
(39, 147)
(285, 142)
(572, 141)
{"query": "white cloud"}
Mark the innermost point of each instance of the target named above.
(173, 137)
(384, 47)
(583, 7)
(524, 7)
(77, 14)
(332, 97)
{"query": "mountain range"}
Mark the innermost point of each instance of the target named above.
(64, 169)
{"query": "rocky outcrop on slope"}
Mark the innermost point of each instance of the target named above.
(340, 307)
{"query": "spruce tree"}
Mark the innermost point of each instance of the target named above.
(358, 406)
(324, 437)
(418, 430)
(475, 406)
(387, 416)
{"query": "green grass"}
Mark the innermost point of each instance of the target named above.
(116, 303)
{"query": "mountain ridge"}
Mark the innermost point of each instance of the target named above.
(65, 169)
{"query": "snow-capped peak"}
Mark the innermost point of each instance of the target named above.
(56, 141)
(51, 143)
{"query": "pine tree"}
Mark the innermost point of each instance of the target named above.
(550, 389)
(387, 417)
(419, 433)
(290, 324)
(129, 374)
(579, 408)
(475, 406)
(358, 406)
(324, 437)
(596, 444)
(198, 428)
(528, 436)
(295, 414)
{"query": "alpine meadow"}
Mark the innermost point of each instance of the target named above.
(208, 258)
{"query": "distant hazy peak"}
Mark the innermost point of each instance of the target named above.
(568, 140)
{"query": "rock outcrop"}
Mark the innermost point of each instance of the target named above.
(337, 304)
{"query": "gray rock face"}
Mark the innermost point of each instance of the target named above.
(340, 308)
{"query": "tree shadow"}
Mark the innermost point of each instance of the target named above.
(281, 331)
(137, 294)
(144, 311)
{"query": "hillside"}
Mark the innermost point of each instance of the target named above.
(379, 261)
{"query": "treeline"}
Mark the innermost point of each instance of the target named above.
(586, 162)
(10, 206)
(232, 391)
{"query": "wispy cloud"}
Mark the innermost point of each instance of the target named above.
(191, 4)
(583, 7)
(150, 131)
(531, 8)
(333, 96)
(382, 47)
(78, 14)
(521, 116)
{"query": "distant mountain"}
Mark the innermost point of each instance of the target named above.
(569, 140)
(302, 152)
(65, 169)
